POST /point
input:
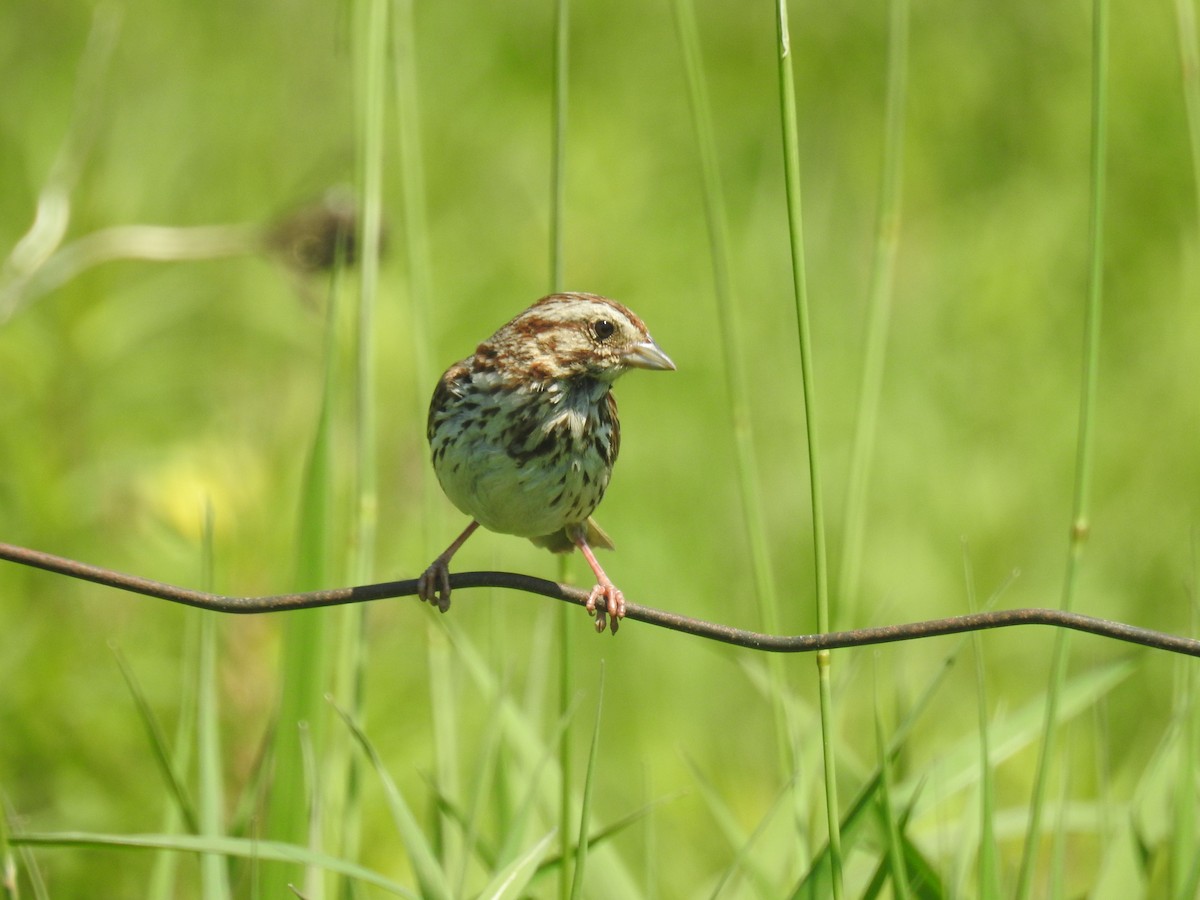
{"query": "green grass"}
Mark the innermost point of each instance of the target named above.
(469, 757)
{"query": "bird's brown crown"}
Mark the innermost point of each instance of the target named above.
(566, 336)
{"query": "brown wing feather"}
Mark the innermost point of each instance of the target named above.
(443, 394)
(610, 408)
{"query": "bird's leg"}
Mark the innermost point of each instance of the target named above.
(614, 601)
(434, 584)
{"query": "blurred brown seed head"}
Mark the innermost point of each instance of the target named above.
(315, 238)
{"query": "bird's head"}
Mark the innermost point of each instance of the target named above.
(565, 336)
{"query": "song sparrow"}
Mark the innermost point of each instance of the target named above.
(524, 433)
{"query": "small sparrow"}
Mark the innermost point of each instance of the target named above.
(524, 433)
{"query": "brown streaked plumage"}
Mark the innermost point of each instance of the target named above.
(524, 433)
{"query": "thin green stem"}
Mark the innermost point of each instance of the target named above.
(791, 161)
(1189, 58)
(558, 164)
(585, 810)
(558, 153)
(1085, 440)
(416, 236)
(565, 757)
(374, 35)
(419, 284)
(988, 870)
(734, 367)
(879, 307)
(213, 873)
(893, 842)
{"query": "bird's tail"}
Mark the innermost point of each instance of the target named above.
(560, 542)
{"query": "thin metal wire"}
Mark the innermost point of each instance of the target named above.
(753, 640)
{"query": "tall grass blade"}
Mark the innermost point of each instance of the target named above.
(9, 872)
(854, 828)
(419, 283)
(558, 149)
(8, 865)
(1080, 524)
(512, 882)
(743, 844)
(430, 875)
(1184, 850)
(526, 810)
(158, 743)
(567, 699)
(560, 73)
(1189, 58)
(447, 750)
(162, 884)
(304, 657)
(585, 809)
(221, 847)
(815, 883)
(879, 307)
(412, 183)
(736, 381)
(415, 241)
(988, 868)
(893, 844)
(214, 877)
(483, 779)
(791, 163)
(373, 37)
(608, 832)
(370, 49)
(958, 766)
(524, 737)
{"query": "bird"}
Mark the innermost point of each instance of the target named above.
(524, 433)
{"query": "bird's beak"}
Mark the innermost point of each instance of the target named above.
(648, 356)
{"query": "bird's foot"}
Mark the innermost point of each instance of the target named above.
(607, 603)
(434, 584)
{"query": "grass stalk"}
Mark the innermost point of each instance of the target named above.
(213, 874)
(447, 750)
(734, 367)
(558, 201)
(162, 883)
(988, 863)
(558, 148)
(430, 876)
(374, 56)
(1080, 525)
(894, 845)
(412, 181)
(350, 661)
(585, 809)
(1189, 59)
(1183, 860)
(565, 755)
(304, 659)
(416, 241)
(791, 160)
(879, 307)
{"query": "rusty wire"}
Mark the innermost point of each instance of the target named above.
(802, 643)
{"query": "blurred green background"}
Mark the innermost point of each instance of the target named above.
(134, 392)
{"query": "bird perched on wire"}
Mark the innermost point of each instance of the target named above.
(524, 433)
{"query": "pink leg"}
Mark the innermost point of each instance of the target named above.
(434, 584)
(614, 600)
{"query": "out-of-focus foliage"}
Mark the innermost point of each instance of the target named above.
(136, 390)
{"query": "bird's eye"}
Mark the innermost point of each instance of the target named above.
(603, 329)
